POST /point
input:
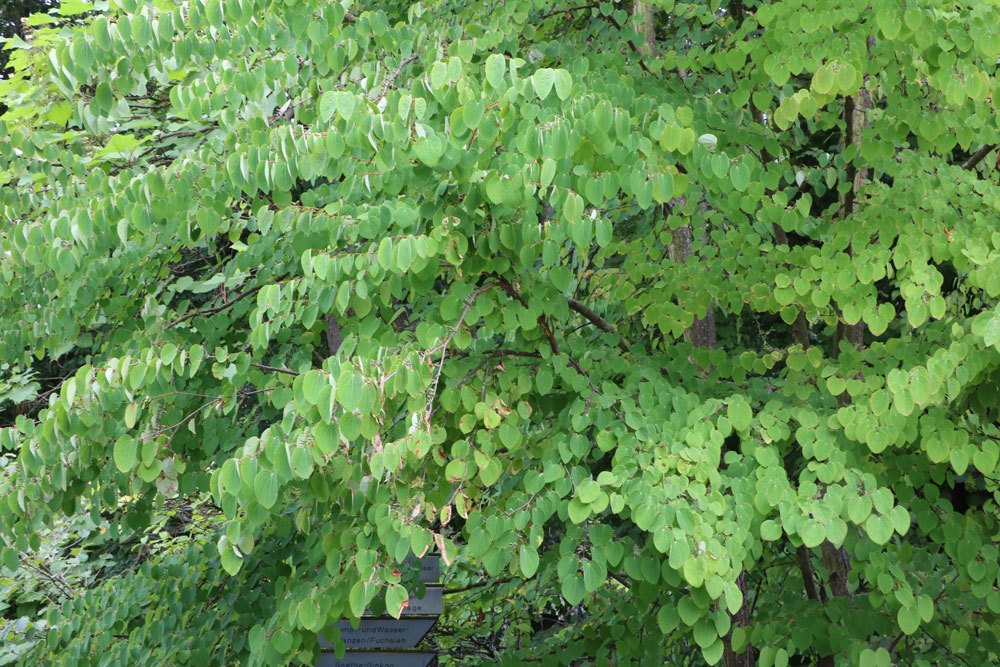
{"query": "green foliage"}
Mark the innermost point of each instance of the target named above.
(671, 343)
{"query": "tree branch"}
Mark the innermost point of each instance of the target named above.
(937, 598)
(978, 156)
(214, 309)
(447, 341)
(597, 321)
(334, 337)
(478, 584)
(275, 369)
(632, 46)
(392, 77)
(542, 321)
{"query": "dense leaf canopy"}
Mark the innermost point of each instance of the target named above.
(672, 326)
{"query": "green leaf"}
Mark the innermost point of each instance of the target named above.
(587, 491)
(195, 355)
(680, 551)
(396, 599)
(312, 383)
(908, 619)
(281, 641)
(302, 462)
(713, 652)
(663, 187)
(663, 538)
(349, 388)
(548, 172)
(578, 511)
(740, 176)
(361, 594)
(879, 528)
(265, 488)
(230, 559)
(823, 81)
(131, 413)
(594, 576)
(888, 22)
(739, 413)
(472, 114)
(542, 81)
(705, 633)
(877, 658)
(496, 68)
(563, 82)
(667, 618)
(126, 453)
(573, 208)
(309, 614)
(573, 589)
(345, 104)
(430, 150)
(812, 534)
(543, 381)
(770, 530)
(9, 559)
(404, 255)
(229, 477)
(119, 145)
(528, 558)
(327, 105)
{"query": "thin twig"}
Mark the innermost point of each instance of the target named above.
(936, 599)
(447, 341)
(64, 586)
(275, 369)
(178, 134)
(214, 309)
(634, 48)
(479, 584)
(392, 78)
(566, 10)
(947, 650)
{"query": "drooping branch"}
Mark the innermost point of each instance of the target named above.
(214, 309)
(597, 321)
(469, 300)
(543, 323)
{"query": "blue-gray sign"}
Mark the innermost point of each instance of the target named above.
(377, 659)
(428, 605)
(389, 633)
(430, 568)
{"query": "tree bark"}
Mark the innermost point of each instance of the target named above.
(642, 15)
(700, 334)
(333, 335)
(835, 559)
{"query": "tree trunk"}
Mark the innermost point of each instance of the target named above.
(835, 559)
(702, 334)
(642, 16)
(333, 336)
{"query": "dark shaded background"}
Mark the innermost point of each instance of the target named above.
(11, 13)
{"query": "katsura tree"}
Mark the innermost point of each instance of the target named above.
(672, 327)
